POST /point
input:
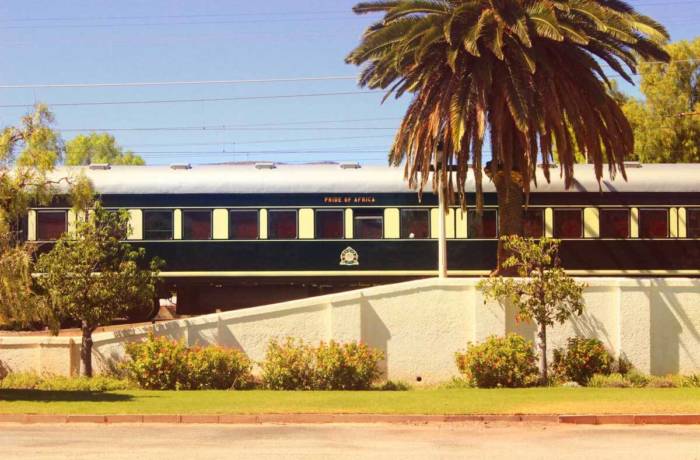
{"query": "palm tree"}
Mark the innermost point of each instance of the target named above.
(527, 72)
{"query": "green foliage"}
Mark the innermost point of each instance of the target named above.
(456, 383)
(288, 365)
(48, 382)
(157, 363)
(92, 276)
(19, 304)
(346, 366)
(521, 70)
(614, 380)
(98, 148)
(216, 368)
(666, 122)
(499, 362)
(581, 359)
(296, 365)
(393, 385)
(162, 364)
(543, 293)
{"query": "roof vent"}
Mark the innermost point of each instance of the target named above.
(632, 164)
(180, 166)
(265, 165)
(99, 166)
(349, 165)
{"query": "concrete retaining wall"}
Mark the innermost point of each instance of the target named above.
(419, 325)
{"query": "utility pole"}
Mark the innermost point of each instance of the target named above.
(442, 229)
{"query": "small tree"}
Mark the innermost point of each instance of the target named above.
(92, 277)
(543, 293)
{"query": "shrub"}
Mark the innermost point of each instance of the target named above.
(581, 359)
(636, 378)
(393, 385)
(296, 365)
(499, 362)
(162, 364)
(216, 368)
(4, 370)
(48, 382)
(348, 366)
(609, 381)
(157, 363)
(456, 383)
(288, 365)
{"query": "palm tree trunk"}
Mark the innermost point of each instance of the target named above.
(542, 348)
(86, 349)
(510, 213)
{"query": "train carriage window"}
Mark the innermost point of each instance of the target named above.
(693, 223)
(282, 225)
(196, 224)
(243, 224)
(568, 223)
(329, 224)
(533, 223)
(157, 225)
(369, 223)
(614, 223)
(653, 223)
(484, 226)
(415, 223)
(51, 225)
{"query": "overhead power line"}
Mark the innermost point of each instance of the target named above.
(232, 128)
(176, 82)
(177, 101)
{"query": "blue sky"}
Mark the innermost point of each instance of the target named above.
(97, 41)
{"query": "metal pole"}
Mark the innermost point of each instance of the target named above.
(442, 237)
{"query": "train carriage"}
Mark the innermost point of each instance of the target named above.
(240, 235)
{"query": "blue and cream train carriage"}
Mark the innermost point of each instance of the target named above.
(234, 236)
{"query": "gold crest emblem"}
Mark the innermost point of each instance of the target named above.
(349, 257)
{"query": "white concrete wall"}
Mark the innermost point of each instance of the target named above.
(419, 325)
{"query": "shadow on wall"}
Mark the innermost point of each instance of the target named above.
(669, 319)
(4, 370)
(374, 332)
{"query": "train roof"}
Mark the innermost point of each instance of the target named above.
(337, 178)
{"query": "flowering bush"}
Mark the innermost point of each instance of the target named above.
(216, 368)
(296, 365)
(348, 366)
(157, 363)
(499, 362)
(582, 359)
(163, 364)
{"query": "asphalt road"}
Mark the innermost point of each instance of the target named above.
(475, 440)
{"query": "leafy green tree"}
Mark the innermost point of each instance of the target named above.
(667, 122)
(99, 148)
(542, 293)
(521, 71)
(93, 277)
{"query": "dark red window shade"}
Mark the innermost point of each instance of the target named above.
(614, 223)
(50, 225)
(568, 223)
(653, 223)
(243, 225)
(196, 225)
(484, 226)
(533, 223)
(282, 225)
(415, 223)
(693, 223)
(329, 224)
(369, 224)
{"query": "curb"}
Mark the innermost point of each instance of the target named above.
(240, 419)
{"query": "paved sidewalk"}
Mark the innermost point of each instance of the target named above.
(348, 441)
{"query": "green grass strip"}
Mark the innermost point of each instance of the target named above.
(453, 401)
